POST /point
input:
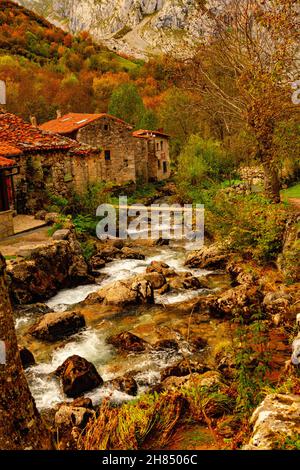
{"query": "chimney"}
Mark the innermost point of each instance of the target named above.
(33, 121)
(2, 96)
(58, 113)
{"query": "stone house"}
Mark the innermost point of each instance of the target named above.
(47, 164)
(155, 145)
(125, 155)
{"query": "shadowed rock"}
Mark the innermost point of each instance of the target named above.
(78, 376)
(127, 341)
(54, 326)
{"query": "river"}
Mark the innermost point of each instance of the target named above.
(169, 318)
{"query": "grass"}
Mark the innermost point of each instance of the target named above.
(292, 192)
(150, 421)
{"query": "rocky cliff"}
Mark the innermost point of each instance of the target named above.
(136, 27)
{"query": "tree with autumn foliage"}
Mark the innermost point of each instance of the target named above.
(246, 70)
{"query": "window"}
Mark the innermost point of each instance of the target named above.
(106, 127)
(107, 155)
(162, 145)
(165, 167)
(157, 146)
(158, 164)
(125, 163)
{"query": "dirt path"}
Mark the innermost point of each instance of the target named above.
(12, 246)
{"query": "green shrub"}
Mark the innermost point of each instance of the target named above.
(250, 224)
(201, 163)
(88, 249)
(85, 224)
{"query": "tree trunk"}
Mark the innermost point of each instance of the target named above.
(271, 181)
(21, 426)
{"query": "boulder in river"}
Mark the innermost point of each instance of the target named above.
(185, 281)
(166, 344)
(157, 280)
(51, 267)
(57, 325)
(133, 291)
(78, 376)
(276, 419)
(161, 268)
(97, 262)
(208, 257)
(27, 358)
(125, 384)
(128, 342)
(129, 253)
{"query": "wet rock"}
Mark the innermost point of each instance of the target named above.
(208, 257)
(27, 358)
(39, 309)
(82, 402)
(109, 253)
(118, 243)
(56, 325)
(78, 376)
(131, 292)
(276, 418)
(165, 344)
(242, 300)
(183, 368)
(97, 262)
(125, 384)
(61, 234)
(157, 280)
(129, 342)
(57, 265)
(185, 281)
(129, 253)
(164, 289)
(161, 268)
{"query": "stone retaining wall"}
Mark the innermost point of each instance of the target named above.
(6, 224)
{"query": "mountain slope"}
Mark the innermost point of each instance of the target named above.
(137, 27)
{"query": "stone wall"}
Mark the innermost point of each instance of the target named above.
(57, 173)
(117, 148)
(141, 160)
(6, 224)
(159, 159)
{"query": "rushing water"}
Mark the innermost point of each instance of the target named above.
(166, 319)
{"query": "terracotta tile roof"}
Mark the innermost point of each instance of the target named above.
(8, 150)
(74, 121)
(6, 163)
(25, 137)
(146, 134)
